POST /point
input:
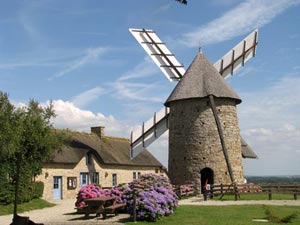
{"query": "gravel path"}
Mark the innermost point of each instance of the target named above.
(63, 212)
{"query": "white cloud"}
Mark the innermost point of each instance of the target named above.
(88, 96)
(270, 123)
(14, 65)
(163, 8)
(127, 88)
(136, 91)
(74, 118)
(242, 19)
(91, 55)
(144, 69)
(224, 2)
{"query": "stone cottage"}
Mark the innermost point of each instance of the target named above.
(93, 159)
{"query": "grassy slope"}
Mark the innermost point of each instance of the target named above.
(34, 204)
(225, 215)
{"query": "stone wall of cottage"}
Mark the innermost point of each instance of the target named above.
(194, 142)
(124, 175)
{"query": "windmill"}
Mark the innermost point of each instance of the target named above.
(205, 145)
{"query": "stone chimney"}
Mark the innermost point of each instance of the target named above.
(98, 130)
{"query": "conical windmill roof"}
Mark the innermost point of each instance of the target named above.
(201, 80)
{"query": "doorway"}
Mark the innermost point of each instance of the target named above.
(57, 190)
(207, 178)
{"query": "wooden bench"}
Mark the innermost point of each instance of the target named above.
(98, 206)
(113, 209)
(90, 209)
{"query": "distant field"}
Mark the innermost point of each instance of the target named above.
(273, 179)
(225, 215)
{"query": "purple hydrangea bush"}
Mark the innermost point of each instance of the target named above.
(155, 197)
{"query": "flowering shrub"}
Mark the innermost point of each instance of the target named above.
(89, 191)
(118, 192)
(154, 197)
(92, 191)
(185, 190)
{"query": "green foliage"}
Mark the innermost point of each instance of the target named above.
(37, 189)
(27, 139)
(6, 191)
(9, 129)
(27, 192)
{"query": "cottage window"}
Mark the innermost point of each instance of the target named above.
(134, 175)
(88, 160)
(84, 179)
(139, 175)
(95, 178)
(72, 182)
(114, 179)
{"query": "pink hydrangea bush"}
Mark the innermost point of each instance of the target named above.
(93, 191)
(87, 192)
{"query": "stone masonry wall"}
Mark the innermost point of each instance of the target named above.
(194, 142)
(124, 175)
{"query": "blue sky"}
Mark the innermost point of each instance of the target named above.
(80, 55)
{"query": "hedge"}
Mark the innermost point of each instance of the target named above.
(27, 192)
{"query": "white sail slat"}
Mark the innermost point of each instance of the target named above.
(238, 55)
(159, 53)
(149, 132)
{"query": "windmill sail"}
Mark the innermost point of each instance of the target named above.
(238, 55)
(149, 132)
(159, 53)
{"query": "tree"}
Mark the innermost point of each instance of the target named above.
(27, 139)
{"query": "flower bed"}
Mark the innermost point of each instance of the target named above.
(154, 196)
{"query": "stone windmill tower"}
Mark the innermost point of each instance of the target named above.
(204, 137)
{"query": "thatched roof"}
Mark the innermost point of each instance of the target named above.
(201, 80)
(107, 150)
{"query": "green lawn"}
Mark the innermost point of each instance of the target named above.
(34, 204)
(225, 215)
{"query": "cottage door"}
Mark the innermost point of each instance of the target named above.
(57, 188)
